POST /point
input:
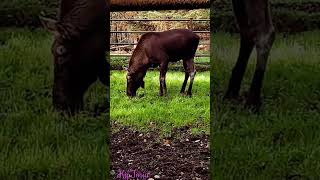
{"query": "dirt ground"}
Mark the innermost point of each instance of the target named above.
(138, 155)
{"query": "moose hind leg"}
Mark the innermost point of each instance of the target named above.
(263, 46)
(246, 46)
(192, 74)
(163, 86)
(186, 77)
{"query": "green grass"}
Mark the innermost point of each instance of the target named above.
(165, 113)
(36, 142)
(202, 63)
(125, 60)
(283, 141)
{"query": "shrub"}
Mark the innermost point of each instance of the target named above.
(25, 12)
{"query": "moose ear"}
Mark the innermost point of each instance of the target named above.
(49, 24)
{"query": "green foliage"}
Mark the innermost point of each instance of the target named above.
(164, 113)
(202, 64)
(25, 12)
(282, 141)
(287, 15)
(178, 14)
(164, 25)
(35, 141)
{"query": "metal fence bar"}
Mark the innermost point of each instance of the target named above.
(159, 19)
(151, 31)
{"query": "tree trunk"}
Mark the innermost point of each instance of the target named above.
(146, 5)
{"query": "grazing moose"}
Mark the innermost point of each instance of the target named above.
(158, 49)
(256, 30)
(79, 49)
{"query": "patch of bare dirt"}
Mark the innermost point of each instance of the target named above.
(182, 156)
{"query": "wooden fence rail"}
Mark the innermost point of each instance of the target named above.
(151, 31)
(119, 45)
(128, 55)
(191, 19)
(207, 44)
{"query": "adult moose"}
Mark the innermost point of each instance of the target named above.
(158, 49)
(81, 40)
(256, 30)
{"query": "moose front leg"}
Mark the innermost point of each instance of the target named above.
(163, 86)
(77, 105)
(263, 46)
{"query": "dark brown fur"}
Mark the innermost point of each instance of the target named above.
(256, 30)
(79, 50)
(158, 49)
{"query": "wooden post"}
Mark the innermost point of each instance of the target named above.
(191, 24)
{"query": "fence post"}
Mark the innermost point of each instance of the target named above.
(191, 24)
(117, 40)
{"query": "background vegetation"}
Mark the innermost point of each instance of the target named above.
(288, 15)
(22, 13)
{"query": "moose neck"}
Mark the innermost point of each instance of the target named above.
(139, 70)
(139, 62)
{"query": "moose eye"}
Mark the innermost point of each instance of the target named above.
(61, 50)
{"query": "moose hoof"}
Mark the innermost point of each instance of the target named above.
(253, 104)
(230, 96)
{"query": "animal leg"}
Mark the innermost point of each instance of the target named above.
(103, 70)
(78, 105)
(246, 46)
(73, 104)
(263, 46)
(186, 77)
(192, 74)
(163, 86)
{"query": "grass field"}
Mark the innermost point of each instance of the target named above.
(164, 113)
(35, 142)
(283, 141)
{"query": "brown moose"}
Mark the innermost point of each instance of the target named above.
(158, 49)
